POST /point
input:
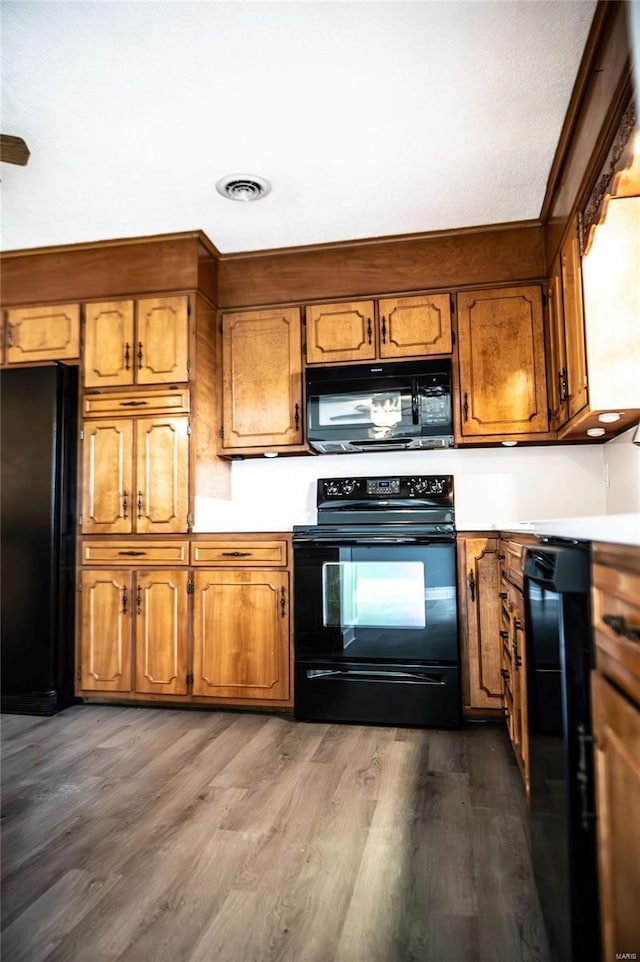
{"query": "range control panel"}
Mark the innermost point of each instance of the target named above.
(421, 487)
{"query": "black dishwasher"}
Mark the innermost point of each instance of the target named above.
(559, 662)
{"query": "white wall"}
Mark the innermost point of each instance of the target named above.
(622, 474)
(494, 487)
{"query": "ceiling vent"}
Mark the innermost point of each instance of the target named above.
(243, 187)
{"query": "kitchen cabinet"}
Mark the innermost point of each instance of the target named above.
(479, 585)
(503, 391)
(135, 475)
(615, 697)
(43, 333)
(241, 621)
(513, 652)
(391, 327)
(129, 342)
(133, 618)
(262, 381)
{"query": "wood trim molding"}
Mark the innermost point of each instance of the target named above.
(618, 159)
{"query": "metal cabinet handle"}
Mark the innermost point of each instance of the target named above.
(563, 384)
(139, 353)
(465, 406)
(296, 415)
(236, 554)
(125, 504)
(384, 329)
(127, 355)
(282, 602)
(139, 599)
(369, 330)
(139, 504)
(472, 585)
(619, 625)
(124, 600)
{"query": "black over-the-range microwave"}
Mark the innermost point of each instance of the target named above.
(379, 407)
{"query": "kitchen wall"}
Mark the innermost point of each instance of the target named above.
(494, 487)
(622, 474)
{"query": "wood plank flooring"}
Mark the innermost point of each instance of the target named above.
(151, 835)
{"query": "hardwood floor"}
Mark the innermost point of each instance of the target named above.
(150, 835)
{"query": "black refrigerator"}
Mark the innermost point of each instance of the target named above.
(38, 434)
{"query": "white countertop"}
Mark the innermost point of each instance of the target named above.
(614, 528)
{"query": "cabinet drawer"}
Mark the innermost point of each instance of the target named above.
(232, 554)
(616, 622)
(140, 402)
(512, 561)
(136, 553)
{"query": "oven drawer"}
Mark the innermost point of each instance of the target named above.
(378, 694)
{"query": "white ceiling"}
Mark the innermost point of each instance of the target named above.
(368, 118)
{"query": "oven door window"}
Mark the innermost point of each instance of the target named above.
(373, 594)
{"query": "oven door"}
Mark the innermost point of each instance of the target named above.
(370, 601)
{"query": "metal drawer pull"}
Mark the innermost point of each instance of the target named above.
(236, 554)
(132, 404)
(619, 625)
(133, 554)
(472, 585)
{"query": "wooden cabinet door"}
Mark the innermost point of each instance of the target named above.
(262, 375)
(162, 342)
(161, 494)
(480, 584)
(616, 726)
(577, 395)
(415, 326)
(109, 349)
(105, 649)
(160, 605)
(241, 634)
(108, 502)
(43, 333)
(341, 332)
(557, 366)
(502, 371)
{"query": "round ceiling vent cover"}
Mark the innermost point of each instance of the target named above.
(243, 187)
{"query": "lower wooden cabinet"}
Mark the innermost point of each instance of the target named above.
(134, 613)
(615, 700)
(478, 585)
(241, 634)
(514, 673)
(174, 621)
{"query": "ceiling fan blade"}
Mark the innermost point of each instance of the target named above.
(13, 150)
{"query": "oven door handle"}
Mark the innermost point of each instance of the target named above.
(355, 674)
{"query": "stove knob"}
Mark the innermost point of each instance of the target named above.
(331, 488)
(419, 485)
(348, 487)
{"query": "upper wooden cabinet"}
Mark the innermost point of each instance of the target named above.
(502, 364)
(262, 380)
(49, 333)
(141, 342)
(593, 336)
(392, 327)
(135, 476)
